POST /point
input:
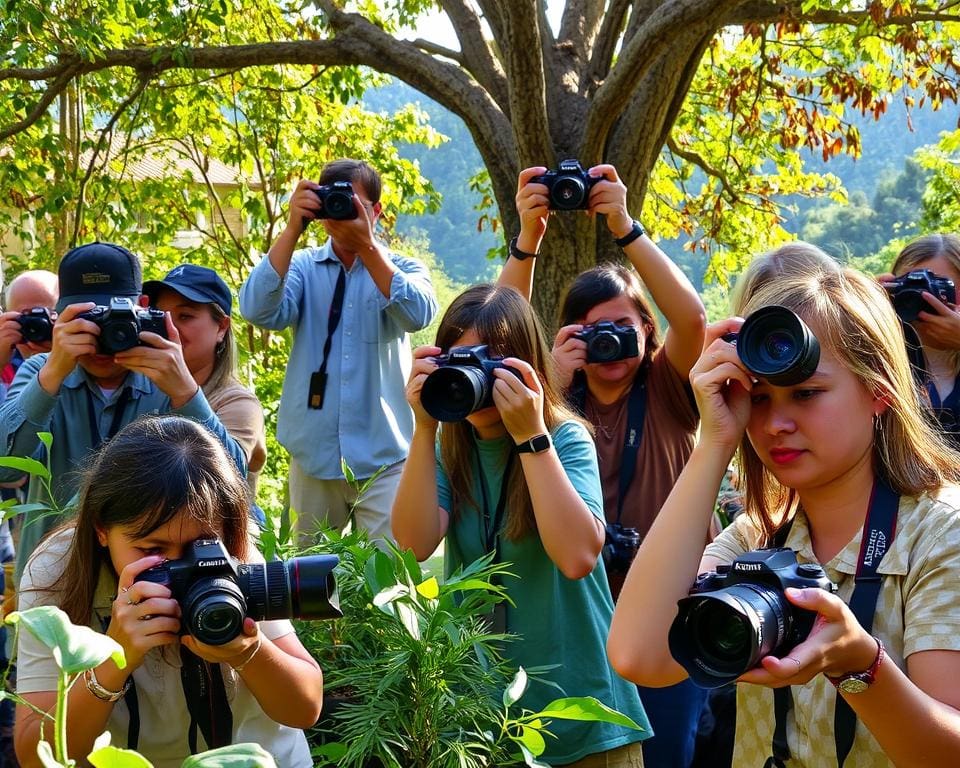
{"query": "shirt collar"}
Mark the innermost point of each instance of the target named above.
(136, 381)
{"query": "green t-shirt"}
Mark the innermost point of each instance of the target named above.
(557, 620)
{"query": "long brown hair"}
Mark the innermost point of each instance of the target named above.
(509, 326)
(856, 322)
(154, 469)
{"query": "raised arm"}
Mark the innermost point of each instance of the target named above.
(534, 209)
(668, 286)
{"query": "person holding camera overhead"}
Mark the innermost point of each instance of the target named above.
(100, 374)
(513, 472)
(923, 288)
(351, 303)
(840, 468)
(158, 486)
(200, 304)
(632, 388)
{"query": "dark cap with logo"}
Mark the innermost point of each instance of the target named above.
(195, 283)
(97, 272)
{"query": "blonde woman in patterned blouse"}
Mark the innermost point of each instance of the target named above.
(810, 454)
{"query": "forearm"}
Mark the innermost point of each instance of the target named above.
(668, 558)
(281, 252)
(289, 689)
(379, 266)
(933, 736)
(415, 517)
(572, 536)
(518, 274)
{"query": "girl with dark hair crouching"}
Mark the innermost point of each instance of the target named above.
(159, 485)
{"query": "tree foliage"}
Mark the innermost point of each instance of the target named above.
(701, 104)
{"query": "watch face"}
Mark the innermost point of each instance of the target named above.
(853, 685)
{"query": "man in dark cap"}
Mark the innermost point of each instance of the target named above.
(83, 394)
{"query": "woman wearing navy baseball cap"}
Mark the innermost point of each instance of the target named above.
(200, 303)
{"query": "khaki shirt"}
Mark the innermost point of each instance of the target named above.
(918, 610)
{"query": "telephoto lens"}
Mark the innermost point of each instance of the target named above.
(462, 383)
(776, 345)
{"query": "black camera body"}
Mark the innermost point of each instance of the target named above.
(36, 325)
(122, 322)
(906, 292)
(337, 201)
(775, 344)
(462, 383)
(568, 187)
(738, 614)
(216, 591)
(619, 547)
(608, 342)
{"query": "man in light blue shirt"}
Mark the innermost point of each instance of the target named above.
(351, 304)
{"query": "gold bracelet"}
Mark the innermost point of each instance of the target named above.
(239, 667)
(104, 694)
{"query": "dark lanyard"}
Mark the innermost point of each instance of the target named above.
(636, 417)
(121, 405)
(493, 525)
(878, 531)
(318, 379)
(946, 410)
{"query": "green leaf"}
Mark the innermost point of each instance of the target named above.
(234, 756)
(113, 757)
(347, 471)
(429, 589)
(585, 708)
(46, 438)
(24, 464)
(516, 689)
(530, 759)
(75, 649)
(390, 594)
(532, 739)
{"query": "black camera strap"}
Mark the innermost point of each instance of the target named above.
(96, 436)
(207, 703)
(879, 528)
(318, 379)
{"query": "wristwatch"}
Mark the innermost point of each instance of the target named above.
(517, 253)
(536, 444)
(636, 231)
(858, 682)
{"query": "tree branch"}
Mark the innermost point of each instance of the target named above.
(476, 55)
(766, 12)
(606, 44)
(702, 164)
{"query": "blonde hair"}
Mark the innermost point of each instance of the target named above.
(509, 326)
(790, 259)
(856, 322)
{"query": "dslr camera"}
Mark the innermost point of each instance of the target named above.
(36, 325)
(608, 342)
(738, 614)
(568, 187)
(776, 345)
(619, 547)
(337, 201)
(906, 292)
(121, 323)
(462, 384)
(216, 592)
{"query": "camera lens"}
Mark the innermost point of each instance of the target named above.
(909, 304)
(213, 610)
(568, 193)
(300, 588)
(718, 636)
(603, 348)
(339, 205)
(119, 335)
(453, 392)
(775, 344)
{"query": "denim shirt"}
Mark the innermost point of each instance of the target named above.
(365, 419)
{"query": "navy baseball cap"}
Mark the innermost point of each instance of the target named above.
(97, 272)
(195, 283)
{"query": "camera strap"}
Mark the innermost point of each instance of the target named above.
(878, 531)
(207, 703)
(318, 380)
(96, 437)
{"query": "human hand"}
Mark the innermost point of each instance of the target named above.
(721, 385)
(569, 353)
(303, 207)
(161, 361)
(837, 644)
(236, 653)
(355, 235)
(533, 207)
(609, 197)
(10, 335)
(72, 338)
(144, 614)
(520, 401)
(423, 366)
(938, 327)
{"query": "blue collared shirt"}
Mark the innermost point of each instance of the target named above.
(365, 418)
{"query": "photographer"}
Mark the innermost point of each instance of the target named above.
(200, 304)
(937, 324)
(640, 406)
(82, 395)
(518, 477)
(158, 485)
(840, 458)
(35, 289)
(351, 303)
